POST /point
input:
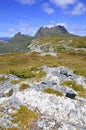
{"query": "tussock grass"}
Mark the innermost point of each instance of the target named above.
(53, 91)
(78, 88)
(24, 117)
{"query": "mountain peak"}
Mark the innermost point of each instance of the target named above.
(18, 35)
(53, 31)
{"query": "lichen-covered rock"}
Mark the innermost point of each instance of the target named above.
(59, 108)
(55, 112)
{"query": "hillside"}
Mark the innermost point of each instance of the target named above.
(17, 44)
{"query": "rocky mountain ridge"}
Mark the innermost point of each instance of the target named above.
(52, 32)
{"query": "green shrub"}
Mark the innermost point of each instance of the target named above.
(23, 74)
(52, 91)
(23, 87)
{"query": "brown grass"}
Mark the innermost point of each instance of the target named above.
(19, 62)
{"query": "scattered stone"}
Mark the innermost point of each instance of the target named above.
(70, 95)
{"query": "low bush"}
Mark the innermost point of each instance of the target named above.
(23, 87)
(14, 82)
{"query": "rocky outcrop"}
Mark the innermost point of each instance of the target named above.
(53, 31)
(56, 112)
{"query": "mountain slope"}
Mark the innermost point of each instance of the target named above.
(52, 32)
(16, 44)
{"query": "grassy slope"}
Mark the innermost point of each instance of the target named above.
(76, 42)
(75, 60)
(79, 42)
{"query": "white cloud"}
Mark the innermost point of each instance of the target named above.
(79, 9)
(23, 27)
(52, 22)
(29, 2)
(11, 30)
(62, 24)
(27, 28)
(46, 8)
(63, 3)
(76, 29)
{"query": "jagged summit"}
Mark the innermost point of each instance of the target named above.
(53, 31)
(18, 35)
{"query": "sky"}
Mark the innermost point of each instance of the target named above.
(27, 16)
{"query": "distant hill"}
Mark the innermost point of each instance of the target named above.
(55, 31)
(16, 44)
(5, 38)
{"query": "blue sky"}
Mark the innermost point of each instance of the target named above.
(26, 16)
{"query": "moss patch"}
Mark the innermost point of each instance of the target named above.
(53, 91)
(24, 117)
